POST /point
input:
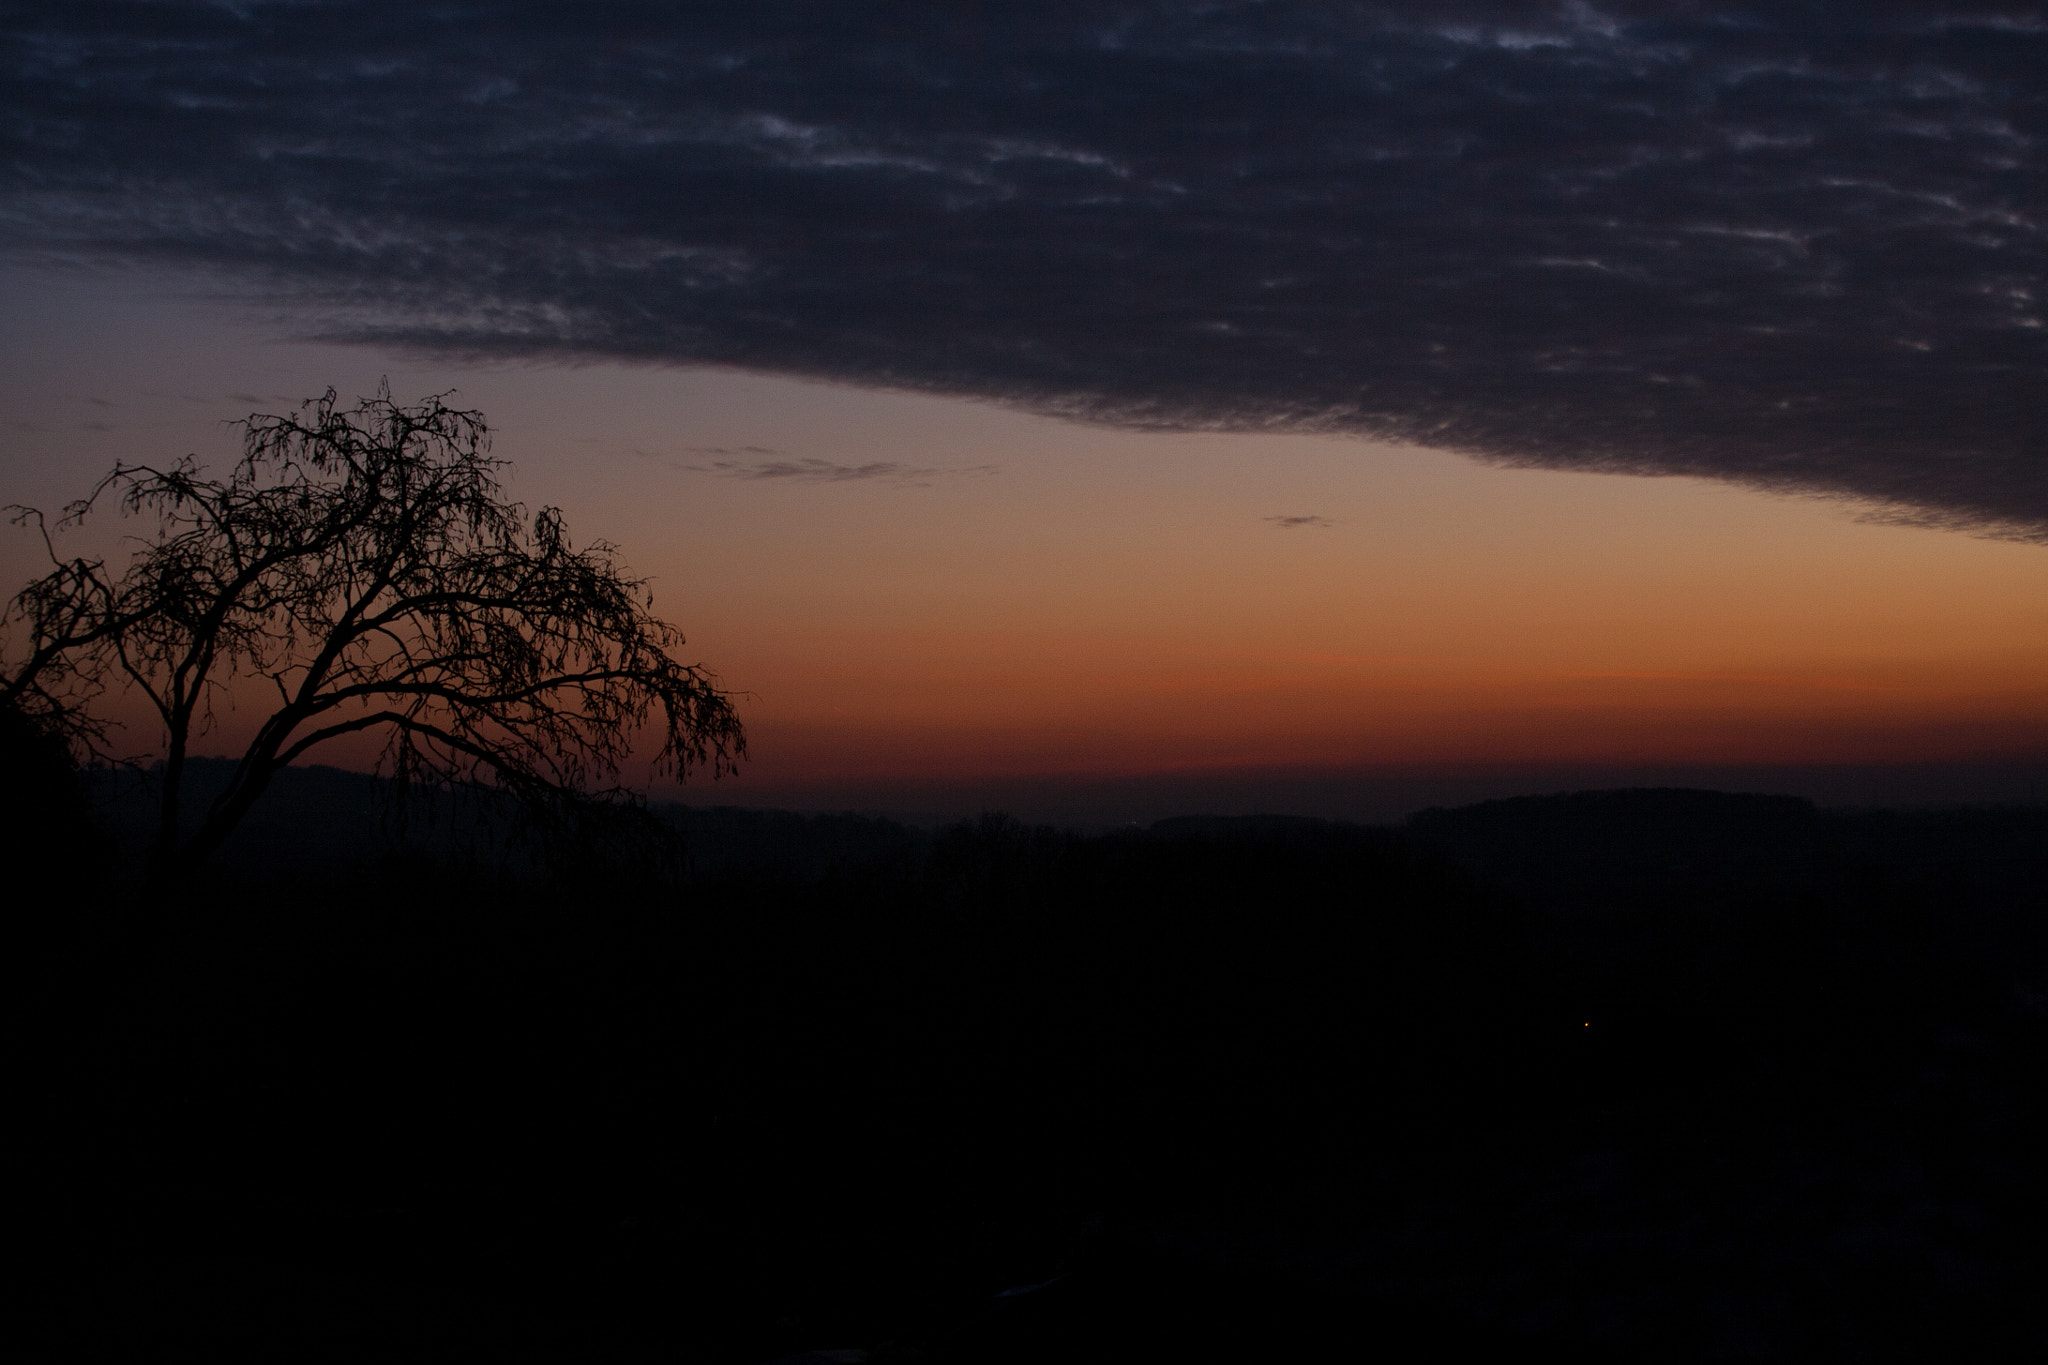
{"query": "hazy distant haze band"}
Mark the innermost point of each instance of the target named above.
(1796, 248)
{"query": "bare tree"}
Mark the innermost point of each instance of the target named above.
(364, 569)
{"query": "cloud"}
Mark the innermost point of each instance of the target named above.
(1799, 247)
(760, 463)
(1300, 523)
(731, 452)
(812, 470)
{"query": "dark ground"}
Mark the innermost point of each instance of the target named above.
(1634, 1075)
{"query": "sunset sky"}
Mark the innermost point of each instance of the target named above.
(1130, 410)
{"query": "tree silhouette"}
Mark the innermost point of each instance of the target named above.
(364, 568)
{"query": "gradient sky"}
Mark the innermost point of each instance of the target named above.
(1124, 395)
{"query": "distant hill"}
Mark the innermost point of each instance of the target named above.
(315, 816)
(1607, 849)
(1678, 848)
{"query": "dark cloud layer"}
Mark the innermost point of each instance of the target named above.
(1798, 245)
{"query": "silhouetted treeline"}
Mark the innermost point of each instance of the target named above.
(1673, 1075)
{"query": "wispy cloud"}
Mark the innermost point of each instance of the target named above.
(762, 464)
(1801, 247)
(1300, 523)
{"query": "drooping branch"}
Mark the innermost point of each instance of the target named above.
(69, 616)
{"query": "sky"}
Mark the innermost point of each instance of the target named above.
(1109, 411)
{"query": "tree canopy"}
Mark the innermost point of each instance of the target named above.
(364, 568)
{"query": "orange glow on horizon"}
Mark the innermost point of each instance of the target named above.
(1056, 600)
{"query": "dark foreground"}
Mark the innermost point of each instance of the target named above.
(1632, 1076)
